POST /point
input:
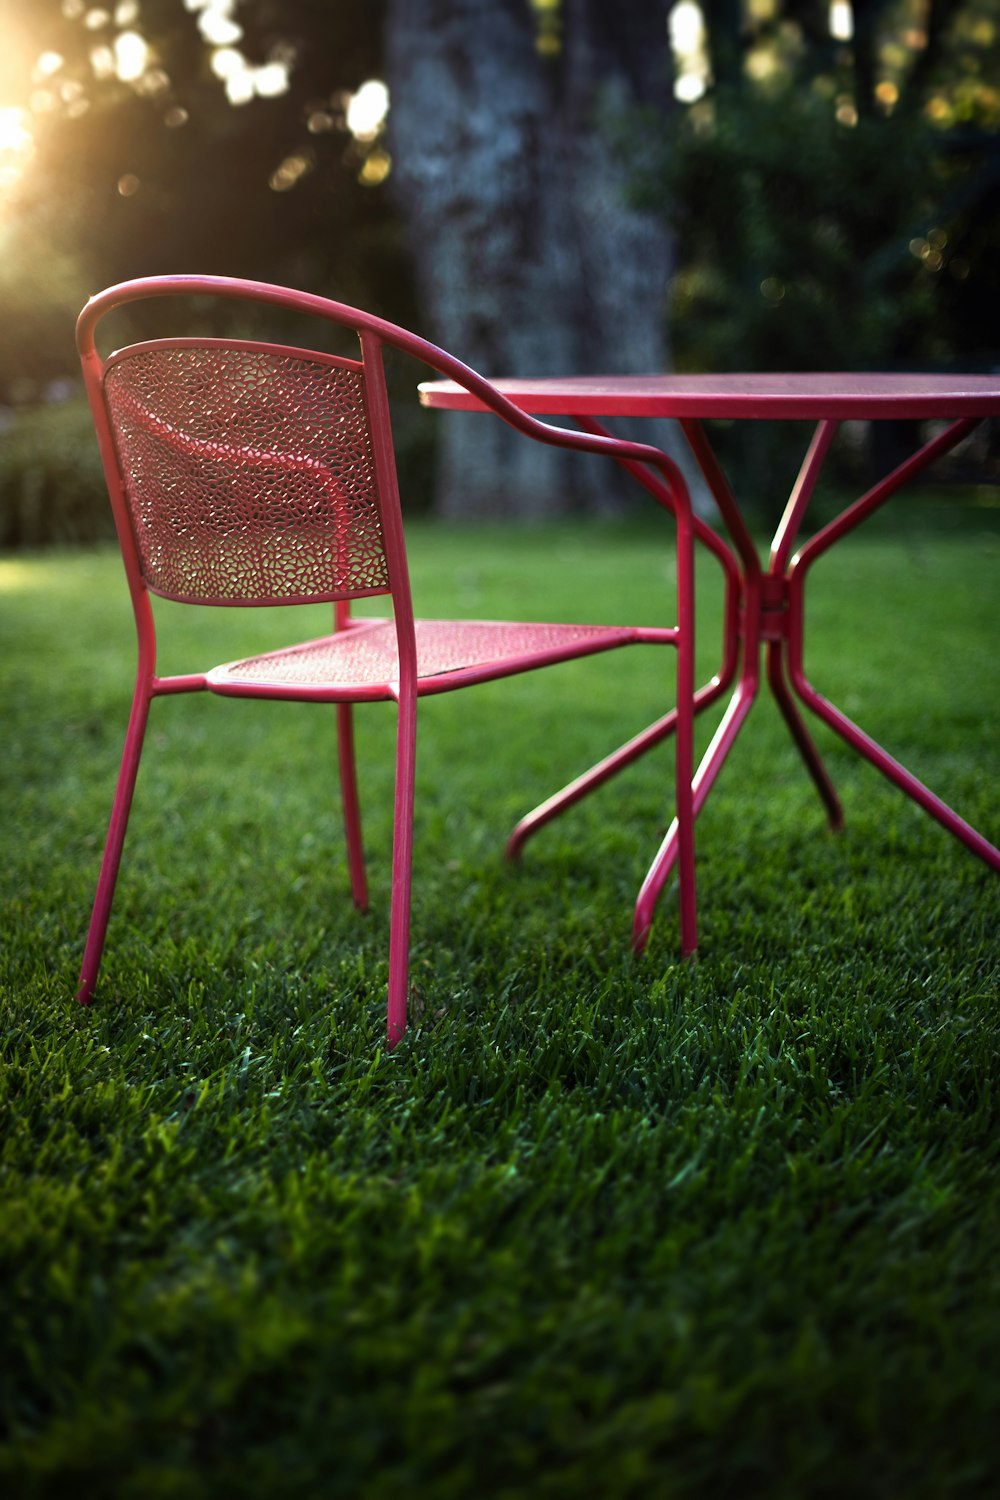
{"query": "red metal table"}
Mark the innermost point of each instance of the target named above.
(765, 607)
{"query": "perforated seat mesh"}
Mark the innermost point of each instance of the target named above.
(366, 656)
(248, 473)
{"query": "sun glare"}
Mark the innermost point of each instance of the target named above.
(47, 65)
(367, 110)
(16, 145)
(216, 21)
(688, 42)
(15, 136)
(841, 20)
(131, 55)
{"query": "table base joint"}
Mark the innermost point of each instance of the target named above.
(768, 618)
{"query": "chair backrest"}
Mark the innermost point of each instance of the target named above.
(247, 471)
(243, 472)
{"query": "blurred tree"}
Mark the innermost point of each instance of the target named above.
(529, 259)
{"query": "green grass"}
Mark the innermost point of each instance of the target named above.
(600, 1225)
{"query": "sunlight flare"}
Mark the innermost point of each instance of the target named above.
(17, 145)
(689, 44)
(367, 110)
(841, 20)
(131, 54)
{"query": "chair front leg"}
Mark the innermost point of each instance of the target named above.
(402, 865)
(111, 860)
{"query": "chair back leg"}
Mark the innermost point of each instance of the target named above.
(111, 860)
(352, 810)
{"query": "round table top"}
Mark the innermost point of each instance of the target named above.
(810, 396)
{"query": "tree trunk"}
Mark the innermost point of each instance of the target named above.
(529, 260)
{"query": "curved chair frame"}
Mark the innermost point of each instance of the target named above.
(154, 443)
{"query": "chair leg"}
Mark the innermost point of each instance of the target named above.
(113, 847)
(352, 810)
(684, 741)
(402, 869)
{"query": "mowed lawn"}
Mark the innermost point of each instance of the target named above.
(600, 1225)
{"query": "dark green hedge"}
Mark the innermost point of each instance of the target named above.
(51, 484)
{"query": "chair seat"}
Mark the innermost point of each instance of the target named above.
(364, 656)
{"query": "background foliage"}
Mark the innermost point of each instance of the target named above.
(833, 201)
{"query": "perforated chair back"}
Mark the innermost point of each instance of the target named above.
(248, 472)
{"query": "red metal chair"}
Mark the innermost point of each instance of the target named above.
(249, 473)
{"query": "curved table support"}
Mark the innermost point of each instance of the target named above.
(765, 607)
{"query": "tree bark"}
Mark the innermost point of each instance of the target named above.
(529, 259)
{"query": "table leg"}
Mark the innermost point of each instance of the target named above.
(765, 620)
(782, 691)
(704, 778)
(838, 721)
(743, 632)
(663, 728)
(773, 615)
(898, 774)
(776, 619)
(603, 771)
(772, 609)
